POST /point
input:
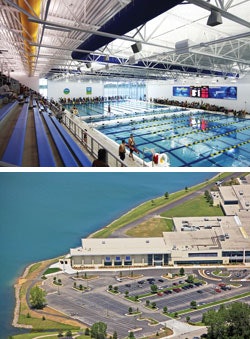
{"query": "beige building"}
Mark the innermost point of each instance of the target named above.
(196, 240)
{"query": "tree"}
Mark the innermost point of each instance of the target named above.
(131, 335)
(60, 334)
(190, 279)
(115, 336)
(154, 288)
(153, 304)
(69, 334)
(193, 304)
(99, 330)
(182, 271)
(37, 297)
(231, 322)
(165, 309)
(87, 331)
(130, 310)
(126, 293)
(166, 195)
(147, 303)
(188, 319)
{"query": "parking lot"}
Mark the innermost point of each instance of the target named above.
(95, 303)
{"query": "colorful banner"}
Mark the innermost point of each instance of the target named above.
(223, 92)
(88, 90)
(181, 91)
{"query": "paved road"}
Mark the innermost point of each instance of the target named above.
(121, 232)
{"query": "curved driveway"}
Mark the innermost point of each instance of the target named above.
(121, 232)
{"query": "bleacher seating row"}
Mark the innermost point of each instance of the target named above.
(67, 157)
(6, 109)
(70, 153)
(14, 151)
(75, 149)
(45, 154)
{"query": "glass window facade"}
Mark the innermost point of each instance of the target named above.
(43, 87)
(128, 90)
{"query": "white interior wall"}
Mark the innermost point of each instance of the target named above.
(77, 89)
(164, 90)
(158, 89)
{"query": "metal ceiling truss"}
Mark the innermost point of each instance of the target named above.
(64, 27)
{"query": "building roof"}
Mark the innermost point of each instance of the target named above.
(122, 246)
(228, 194)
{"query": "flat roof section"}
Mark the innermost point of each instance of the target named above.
(211, 233)
(120, 246)
(243, 194)
(228, 195)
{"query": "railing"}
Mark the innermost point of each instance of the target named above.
(85, 135)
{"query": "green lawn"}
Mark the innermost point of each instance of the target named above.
(153, 227)
(196, 207)
(40, 324)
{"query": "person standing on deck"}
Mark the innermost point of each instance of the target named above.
(122, 150)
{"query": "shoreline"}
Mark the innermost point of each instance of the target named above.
(32, 280)
(17, 288)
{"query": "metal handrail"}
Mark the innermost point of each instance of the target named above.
(91, 143)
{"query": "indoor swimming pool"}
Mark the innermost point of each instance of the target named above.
(192, 138)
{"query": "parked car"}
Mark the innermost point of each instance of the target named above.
(217, 290)
(177, 290)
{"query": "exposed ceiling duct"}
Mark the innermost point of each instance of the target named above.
(30, 29)
(125, 21)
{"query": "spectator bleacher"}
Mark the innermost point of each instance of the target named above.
(29, 138)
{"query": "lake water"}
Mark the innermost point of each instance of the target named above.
(43, 214)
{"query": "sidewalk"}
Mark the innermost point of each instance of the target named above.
(183, 330)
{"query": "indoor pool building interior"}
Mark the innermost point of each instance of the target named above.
(80, 77)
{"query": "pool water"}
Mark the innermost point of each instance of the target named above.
(193, 138)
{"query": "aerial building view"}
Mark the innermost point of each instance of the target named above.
(152, 262)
